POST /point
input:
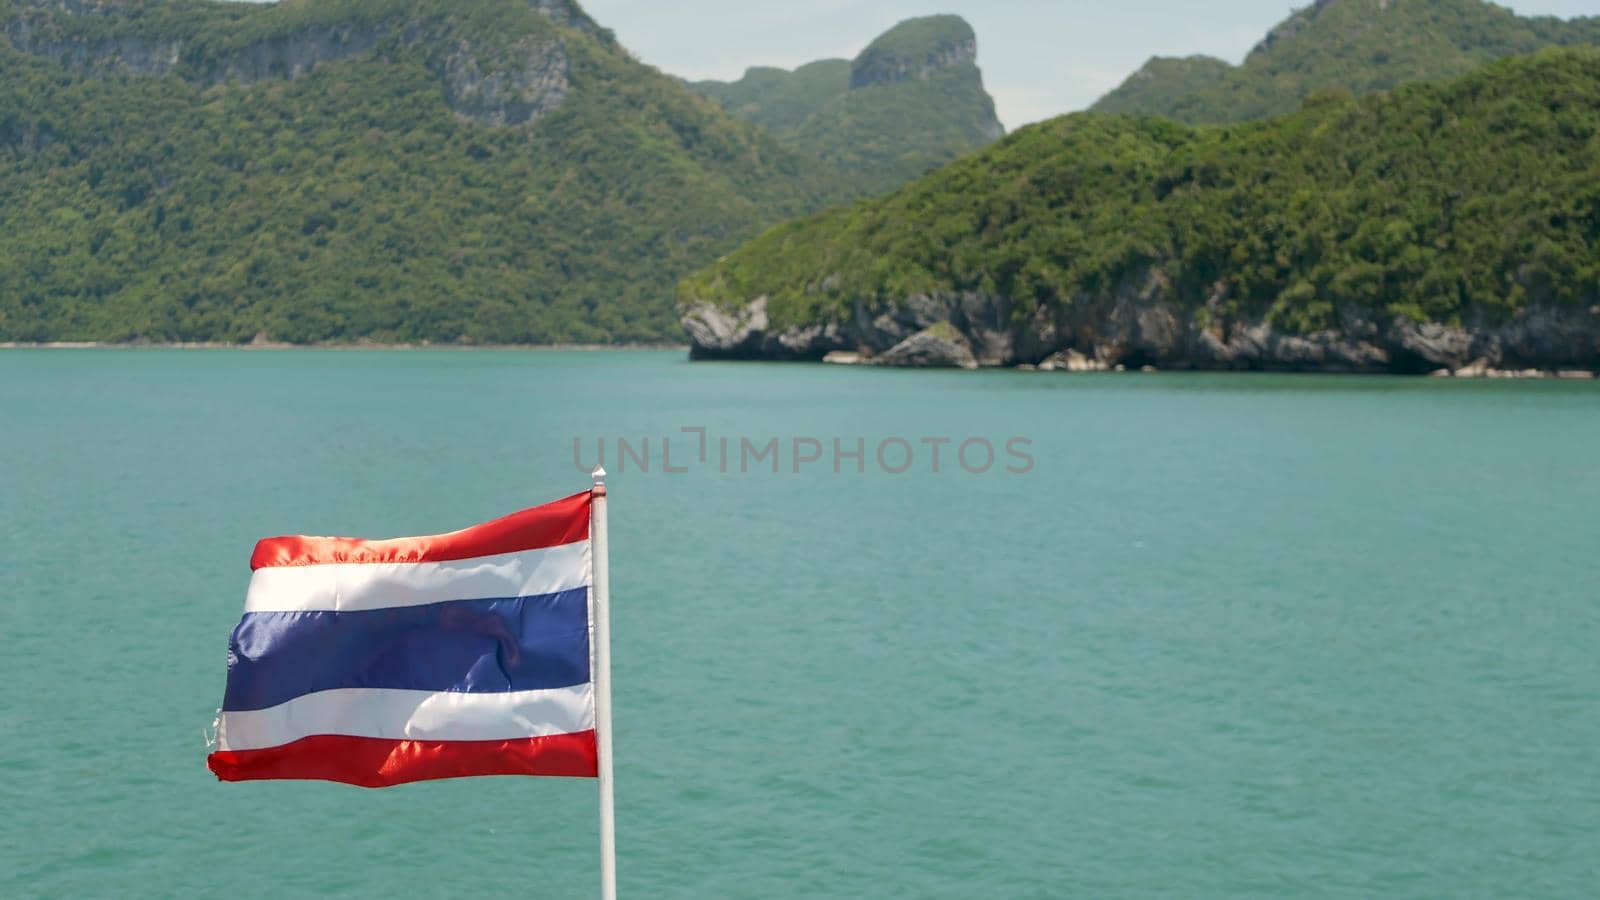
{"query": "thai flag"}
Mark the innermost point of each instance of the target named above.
(378, 662)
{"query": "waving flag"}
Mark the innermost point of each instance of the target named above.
(378, 662)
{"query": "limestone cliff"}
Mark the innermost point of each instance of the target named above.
(487, 81)
(915, 50)
(1141, 323)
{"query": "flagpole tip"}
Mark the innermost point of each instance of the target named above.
(599, 476)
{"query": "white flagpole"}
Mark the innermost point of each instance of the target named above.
(602, 684)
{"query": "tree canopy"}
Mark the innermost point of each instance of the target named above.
(1355, 45)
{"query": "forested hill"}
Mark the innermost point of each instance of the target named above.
(1425, 228)
(1355, 45)
(442, 170)
(911, 101)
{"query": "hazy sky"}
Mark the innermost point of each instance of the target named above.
(1039, 58)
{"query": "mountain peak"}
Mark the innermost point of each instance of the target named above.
(1289, 28)
(911, 101)
(1355, 15)
(568, 13)
(915, 49)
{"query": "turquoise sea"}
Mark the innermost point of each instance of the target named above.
(1227, 635)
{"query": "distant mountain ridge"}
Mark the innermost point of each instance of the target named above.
(1355, 45)
(912, 100)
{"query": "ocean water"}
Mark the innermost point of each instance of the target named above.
(1223, 635)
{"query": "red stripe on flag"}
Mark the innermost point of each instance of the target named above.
(550, 525)
(377, 762)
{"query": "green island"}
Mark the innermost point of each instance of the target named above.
(1438, 226)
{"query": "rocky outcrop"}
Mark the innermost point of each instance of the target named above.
(1291, 27)
(1140, 324)
(294, 55)
(496, 86)
(568, 13)
(1072, 361)
(915, 49)
(939, 346)
(717, 333)
(535, 84)
(288, 55)
(139, 55)
(743, 333)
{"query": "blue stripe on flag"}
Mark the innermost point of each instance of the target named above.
(490, 645)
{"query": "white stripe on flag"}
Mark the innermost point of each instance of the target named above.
(348, 587)
(411, 715)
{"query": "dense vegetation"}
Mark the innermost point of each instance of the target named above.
(911, 101)
(777, 99)
(1469, 199)
(1356, 45)
(355, 201)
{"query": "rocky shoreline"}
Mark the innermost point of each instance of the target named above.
(1073, 361)
(1139, 328)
